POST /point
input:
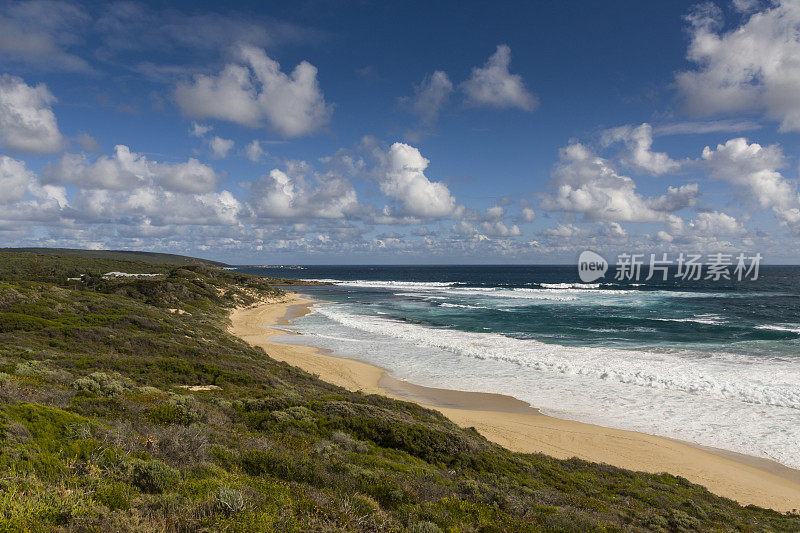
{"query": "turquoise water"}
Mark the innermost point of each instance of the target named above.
(713, 363)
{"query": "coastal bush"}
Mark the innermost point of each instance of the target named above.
(152, 476)
(229, 500)
(424, 527)
(103, 384)
(114, 494)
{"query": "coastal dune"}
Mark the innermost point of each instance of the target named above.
(519, 427)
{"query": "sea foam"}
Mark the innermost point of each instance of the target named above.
(720, 399)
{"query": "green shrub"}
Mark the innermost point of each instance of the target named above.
(22, 322)
(114, 495)
(424, 527)
(179, 409)
(31, 368)
(152, 476)
(103, 384)
(229, 500)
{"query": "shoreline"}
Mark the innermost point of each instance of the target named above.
(519, 427)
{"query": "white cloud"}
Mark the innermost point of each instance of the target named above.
(495, 213)
(753, 67)
(716, 224)
(493, 85)
(127, 170)
(27, 124)
(614, 230)
(746, 6)
(499, 229)
(17, 181)
(199, 130)
(431, 95)
(464, 228)
(15, 178)
(254, 90)
(220, 147)
(663, 236)
(156, 206)
(403, 178)
(587, 184)
(676, 198)
(565, 231)
(293, 195)
(254, 151)
(639, 155)
(753, 170)
(528, 214)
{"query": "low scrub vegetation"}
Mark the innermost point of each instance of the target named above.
(98, 434)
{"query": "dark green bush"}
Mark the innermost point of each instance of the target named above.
(114, 495)
(152, 476)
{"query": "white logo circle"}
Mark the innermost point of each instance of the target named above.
(591, 266)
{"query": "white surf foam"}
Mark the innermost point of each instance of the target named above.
(731, 401)
(719, 376)
(569, 285)
(793, 328)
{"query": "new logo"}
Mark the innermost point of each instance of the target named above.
(591, 266)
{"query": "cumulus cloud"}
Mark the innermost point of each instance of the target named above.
(15, 178)
(716, 224)
(253, 91)
(751, 68)
(127, 170)
(753, 169)
(220, 147)
(27, 123)
(493, 85)
(155, 206)
(24, 196)
(403, 178)
(431, 95)
(587, 184)
(300, 193)
(528, 214)
(615, 231)
(499, 229)
(676, 198)
(639, 154)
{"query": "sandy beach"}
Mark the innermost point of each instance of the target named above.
(519, 427)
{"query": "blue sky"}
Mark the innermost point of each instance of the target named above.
(358, 132)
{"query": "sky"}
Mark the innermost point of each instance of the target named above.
(328, 132)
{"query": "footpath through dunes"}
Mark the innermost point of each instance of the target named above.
(514, 425)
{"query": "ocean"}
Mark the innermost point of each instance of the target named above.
(715, 363)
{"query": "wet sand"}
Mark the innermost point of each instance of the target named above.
(519, 427)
